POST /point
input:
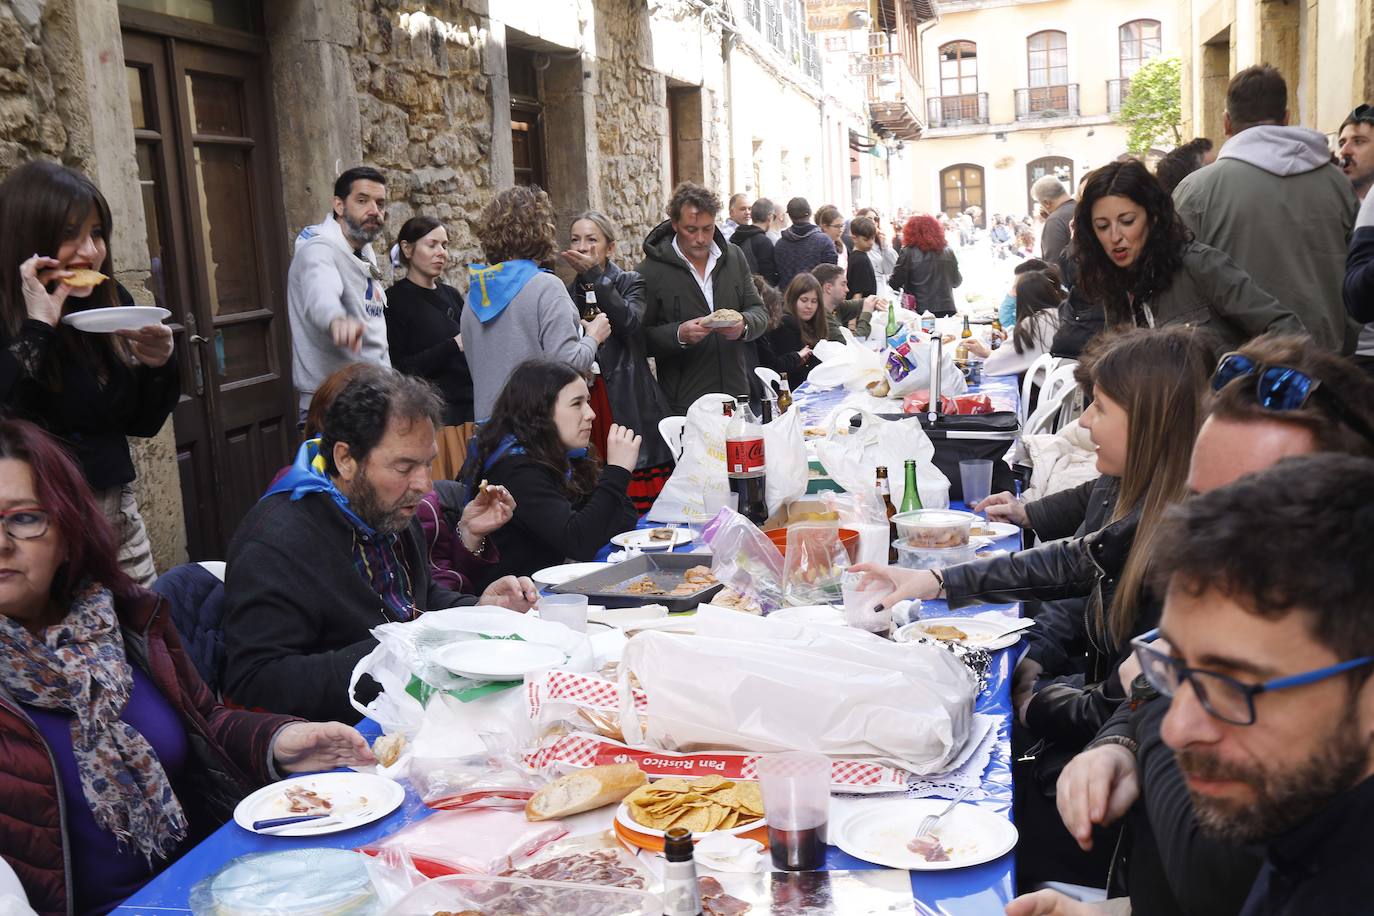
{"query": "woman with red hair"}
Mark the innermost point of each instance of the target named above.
(927, 269)
(117, 758)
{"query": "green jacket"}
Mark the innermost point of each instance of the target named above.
(849, 314)
(672, 296)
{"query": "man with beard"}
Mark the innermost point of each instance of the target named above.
(333, 549)
(334, 291)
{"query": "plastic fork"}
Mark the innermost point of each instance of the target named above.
(931, 821)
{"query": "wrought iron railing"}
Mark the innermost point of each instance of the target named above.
(954, 110)
(753, 12)
(1117, 90)
(1047, 102)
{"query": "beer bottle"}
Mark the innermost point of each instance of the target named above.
(744, 462)
(911, 497)
(681, 893)
(784, 394)
(967, 332)
(997, 334)
(589, 306)
(891, 320)
(885, 493)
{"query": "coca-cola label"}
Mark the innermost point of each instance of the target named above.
(744, 456)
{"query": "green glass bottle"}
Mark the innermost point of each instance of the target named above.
(891, 320)
(911, 497)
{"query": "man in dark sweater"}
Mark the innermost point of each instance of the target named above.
(333, 549)
(1058, 208)
(753, 240)
(803, 245)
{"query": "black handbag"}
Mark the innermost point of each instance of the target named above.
(1079, 322)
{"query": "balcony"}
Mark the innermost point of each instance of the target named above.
(894, 96)
(957, 110)
(1044, 102)
(1117, 90)
(773, 25)
(753, 11)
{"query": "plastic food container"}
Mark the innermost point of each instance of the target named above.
(934, 527)
(912, 557)
(849, 540)
(478, 893)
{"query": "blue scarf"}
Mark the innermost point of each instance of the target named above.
(509, 446)
(491, 289)
(307, 475)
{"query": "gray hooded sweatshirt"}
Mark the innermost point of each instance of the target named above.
(328, 280)
(1277, 205)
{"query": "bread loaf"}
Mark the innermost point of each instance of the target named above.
(584, 790)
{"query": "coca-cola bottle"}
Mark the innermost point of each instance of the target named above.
(744, 461)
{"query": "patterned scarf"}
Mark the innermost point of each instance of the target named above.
(79, 665)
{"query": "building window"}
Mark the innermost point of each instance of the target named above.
(1057, 166)
(526, 117)
(958, 68)
(961, 187)
(1140, 41)
(1047, 54)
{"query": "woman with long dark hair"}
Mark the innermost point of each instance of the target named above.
(117, 757)
(536, 445)
(1138, 260)
(90, 390)
(787, 348)
(927, 269)
(423, 316)
(1038, 296)
(631, 391)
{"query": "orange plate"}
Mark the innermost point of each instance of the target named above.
(631, 839)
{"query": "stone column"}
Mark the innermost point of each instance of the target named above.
(502, 158)
(1277, 43)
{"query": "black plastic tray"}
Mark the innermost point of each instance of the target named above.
(667, 569)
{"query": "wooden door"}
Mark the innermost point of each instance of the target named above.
(206, 167)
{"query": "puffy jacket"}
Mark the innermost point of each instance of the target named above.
(929, 276)
(802, 247)
(228, 757)
(758, 251)
(197, 597)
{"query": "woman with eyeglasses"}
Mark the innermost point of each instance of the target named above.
(831, 221)
(927, 269)
(117, 758)
(1147, 389)
(1137, 259)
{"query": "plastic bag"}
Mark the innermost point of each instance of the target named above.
(851, 461)
(863, 511)
(784, 454)
(701, 469)
(912, 368)
(309, 882)
(762, 685)
(813, 564)
(484, 841)
(744, 559)
(496, 779)
(594, 859)
(851, 363)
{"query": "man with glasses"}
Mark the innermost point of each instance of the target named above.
(802, 245)
(1275, 398)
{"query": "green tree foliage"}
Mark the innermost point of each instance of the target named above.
(1153, 108)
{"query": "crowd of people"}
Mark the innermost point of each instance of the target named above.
(1192, 721)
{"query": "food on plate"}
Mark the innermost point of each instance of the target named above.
(722, 318)
(701, 575)
(701, 805)
(644, 586)
(85, 278)
(943, 631)
(715, 902)
(928, 847)
(600, 866)
(979, 532)
(584, 790)
(729, 598)
(814, 432)
(388, 748)
(300, 800)
(879, 389)
(661, 534)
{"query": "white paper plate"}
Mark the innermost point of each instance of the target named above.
(640, 539)
(116, 318)
(497, 659)
(628, 618)
(349, 793)
(622, 814)
(813, 614)
(982, 634)
(878, 832)
(565, 572)
(998, 530)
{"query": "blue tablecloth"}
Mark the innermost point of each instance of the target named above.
(981, 889)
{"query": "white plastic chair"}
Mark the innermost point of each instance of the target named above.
(1056, 400)
(769, 378)
(671, 429)
(1037, 374)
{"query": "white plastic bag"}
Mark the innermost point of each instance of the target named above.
(701, 469)
(775, 686)
(851, 364)
(784, 456)
(852, 460)
(400, 663)
(952, 381)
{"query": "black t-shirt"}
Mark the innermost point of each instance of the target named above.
(420, 327)
(862, 280)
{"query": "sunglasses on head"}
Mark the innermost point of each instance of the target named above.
(1283, 388)
(1363, 114)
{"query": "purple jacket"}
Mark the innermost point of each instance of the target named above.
(451, 565)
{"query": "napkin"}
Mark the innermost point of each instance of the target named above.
(620, 556)
(723, 852)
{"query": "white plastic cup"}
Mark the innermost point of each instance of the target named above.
(796, 803)
(569, 610)
(975, 475)
(715, 500)
(860, 604)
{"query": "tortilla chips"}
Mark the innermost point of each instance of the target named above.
(701, 805)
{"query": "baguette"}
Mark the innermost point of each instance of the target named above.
(584, 790)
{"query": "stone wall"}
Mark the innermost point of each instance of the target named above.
(39, 62)
(425, 117)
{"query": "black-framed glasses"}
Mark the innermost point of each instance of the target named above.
(1283, 388)
(25, 523)
(1224, 697)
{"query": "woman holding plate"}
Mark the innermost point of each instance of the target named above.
(117, 758)
(91, 391)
